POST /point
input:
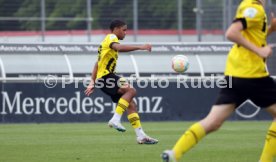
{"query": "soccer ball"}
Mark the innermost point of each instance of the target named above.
(180, 63)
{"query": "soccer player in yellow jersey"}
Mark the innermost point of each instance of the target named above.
(250, 80)
(111, 84)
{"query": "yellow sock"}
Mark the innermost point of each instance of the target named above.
(134, 120)
(191, 137)
(269, 151)
(122, 106)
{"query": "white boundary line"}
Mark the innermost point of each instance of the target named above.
(135, 66)
(200, 66)
(3, 71)
(69, 66)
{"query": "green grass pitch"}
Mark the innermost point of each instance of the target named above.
(96, 142)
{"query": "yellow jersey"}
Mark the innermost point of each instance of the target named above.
(107, 57)
(242, 62)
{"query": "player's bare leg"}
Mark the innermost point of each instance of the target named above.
(134, 119)
(216, 117)
(123, 104)
(212, 122)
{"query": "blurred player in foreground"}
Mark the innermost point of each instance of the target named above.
(103, 76)
(246, 66)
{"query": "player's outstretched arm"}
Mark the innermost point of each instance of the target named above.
(90, 88)
(272, 26)
(128, 48)
(233, 34)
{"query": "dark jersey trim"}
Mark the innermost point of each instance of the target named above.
(110, 45)
(109, 64)
(243, 21)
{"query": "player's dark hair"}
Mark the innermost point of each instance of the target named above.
(116, 23)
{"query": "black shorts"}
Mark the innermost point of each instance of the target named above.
(109, 85)
(261, 91)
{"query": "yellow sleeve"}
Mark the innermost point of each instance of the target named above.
(250, 16)
(111, 38)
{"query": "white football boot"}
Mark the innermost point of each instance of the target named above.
(116, 125)
(146, 140)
